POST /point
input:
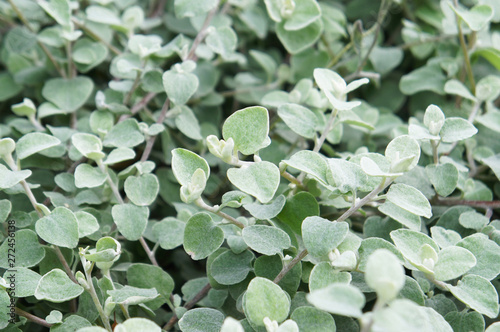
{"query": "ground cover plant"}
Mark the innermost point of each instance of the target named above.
(249, 165)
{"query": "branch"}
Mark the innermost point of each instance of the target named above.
(198, 297)
(200, 203)
(32, 318)
(202, 33)
(468, 66)
(290, 266)
(478, 204)
(152, 139)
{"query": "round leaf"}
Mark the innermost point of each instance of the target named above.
(300, 119)
(410, 199)
(29, 252)
(340, 299)
(87, 176)
(260, 180)
(68, 94)
(265, 299)
(59, 228)
(201, 319)
(202, 236)
(385, 274)
(478, 293)
(142, 190)
(185, 163)
(33, 143)
(322, 236)
(248, 128)
(229, 268)
(180, 86)
(452, 262)
(267, 240)
(131, 220)
(57, 287)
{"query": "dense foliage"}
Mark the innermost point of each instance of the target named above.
(249, 165)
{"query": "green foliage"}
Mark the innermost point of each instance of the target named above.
(248, 165)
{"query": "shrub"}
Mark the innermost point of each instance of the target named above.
(247, 165)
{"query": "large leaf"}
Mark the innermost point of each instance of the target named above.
(478, 293)
(338, 298)
(131, 220)
(59, 228)
(322, 236)
(265, 299)
(33, 143)
(266, 240)
(55, 286)
(202, 236)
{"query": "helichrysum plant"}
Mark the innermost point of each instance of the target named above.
(249, 165)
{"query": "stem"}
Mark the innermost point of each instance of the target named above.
(71, 67)
(478, 204)
(64, 264)
(198, 297)
(200, 203)
(201, 34)
(32, 318)
(139, 106)
(468, 66)
(95, 36)
(42, 45)
(435, 154)
(290, 266)
(148, 251)
(95, 299)
(292, 179)
(151, 140)
(34, 121)
(119, 198)
(365, 199)
(137, 80)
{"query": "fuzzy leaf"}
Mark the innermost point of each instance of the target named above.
(340, 299)
(265, 299)
(59, 228)
(68, 94)
(478, 293)
(322, 236)
(33, 143)
(55, 286)
(202, 236)
(267, 240)
(131, 220)
(410, 199)
(260, 180)
(142, 190)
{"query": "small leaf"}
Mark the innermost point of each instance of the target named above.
(119, 155)
(29, 252)
(170, 233)
(201, 319)
(180, 86)
(370, 245)
(300, 119)
(202, 236)
(410, 242)
(185, 163)
(25, 108)
(229, 268)
(192, 8)
(410, 199)
(324, 274)
(125, 134)
(222, 40)
(59, 228)
(299, 40)
(346, 176)
(311, 163)
(385, 274)
(473, 220)
(322, 236)
(478, 293)
(268, 211)
(131, 220)
(452, 262)
(136, 324)
(156, 278)
(265, 299)
(486, 252)
(266, 240)
(88, 145)
(26, 281)
(444, 237)
(457, 129)
(248, 128)
(297, 208)
(455, 87)
(305, 12)
(87, 176)
(55, 286)
(87, 223)
(33, 143)
(401, 215)
(340, 299)
(403, 152)
(9, 178)
(260, 179)
(477, 17)
(68, 94)
(129, 295)
(142, 190)
(427, 78)
(312, 319)
(444, 178)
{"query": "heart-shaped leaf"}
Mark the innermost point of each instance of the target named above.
(179, 85)
(322, 236)
(202, 236)
(87, 176)
(478, 293)
(68, 94)
(338, 298)
(300, 119)
(59, 228)
(185, 163)
(265, 299)
(248, 128)
(131, 220)
(57, 287)
(29, 251)
(260, 180)
(266, 240)
(33, 143)
(142, 190)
